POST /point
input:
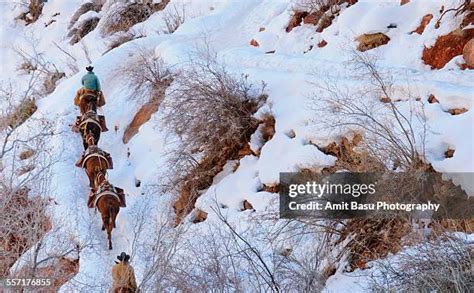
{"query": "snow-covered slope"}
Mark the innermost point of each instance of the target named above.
(227, 27)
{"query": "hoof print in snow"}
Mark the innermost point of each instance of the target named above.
(254, 43)
(270, 52)
(291, 134)
(200, 216)
(392, 25)
(322, 44)
(449, 153)
(446, 48)
(424, 22)
(137, 182)
(457, 111)
(432, 99)
(371, 41)
(286, 252)
(246, 205)
(261, 29)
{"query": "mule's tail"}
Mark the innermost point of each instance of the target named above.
(111, 221)
(110, 225)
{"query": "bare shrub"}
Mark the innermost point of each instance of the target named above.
(121, 38)
(81, 29)
(33, 10)
(43, 74)
(23, 217)
(322, 5)
(441, 265)
(173, 18)
(212, 111)
(86, 7)
(463, 7)
(121, 16)
(149, 78)
(50, 80)
(147, 74)
(392, 135)
(23, 111)
(24, 223)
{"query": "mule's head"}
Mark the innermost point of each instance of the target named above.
(90, 139)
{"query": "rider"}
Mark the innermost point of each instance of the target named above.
(123, 275)
(90, 85)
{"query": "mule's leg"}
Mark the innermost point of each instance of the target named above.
(111, 224)
(115, 216)
(109, 235)
(104, 222)
(91, 179)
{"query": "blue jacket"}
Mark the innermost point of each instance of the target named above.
(91, 82)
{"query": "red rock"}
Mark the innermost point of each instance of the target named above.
(424, 22)
(432, 99)
(446, 48)
(449, 153)
(296, 20)
(313, 18)
(322, 44)
(261, 29)
(254, 43)
(468, 53)
(201, 216)
(371, 41)
(403, 2)
(457, 111)
(247, 206)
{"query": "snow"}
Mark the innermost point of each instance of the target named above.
(227, 27)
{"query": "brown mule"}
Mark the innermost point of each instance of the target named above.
(107, 203)
(90, 134)
(88, 101)
(95, 163)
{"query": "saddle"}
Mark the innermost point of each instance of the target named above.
(107, 188)
(94, 150)
(92, 118)
(83, 93)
